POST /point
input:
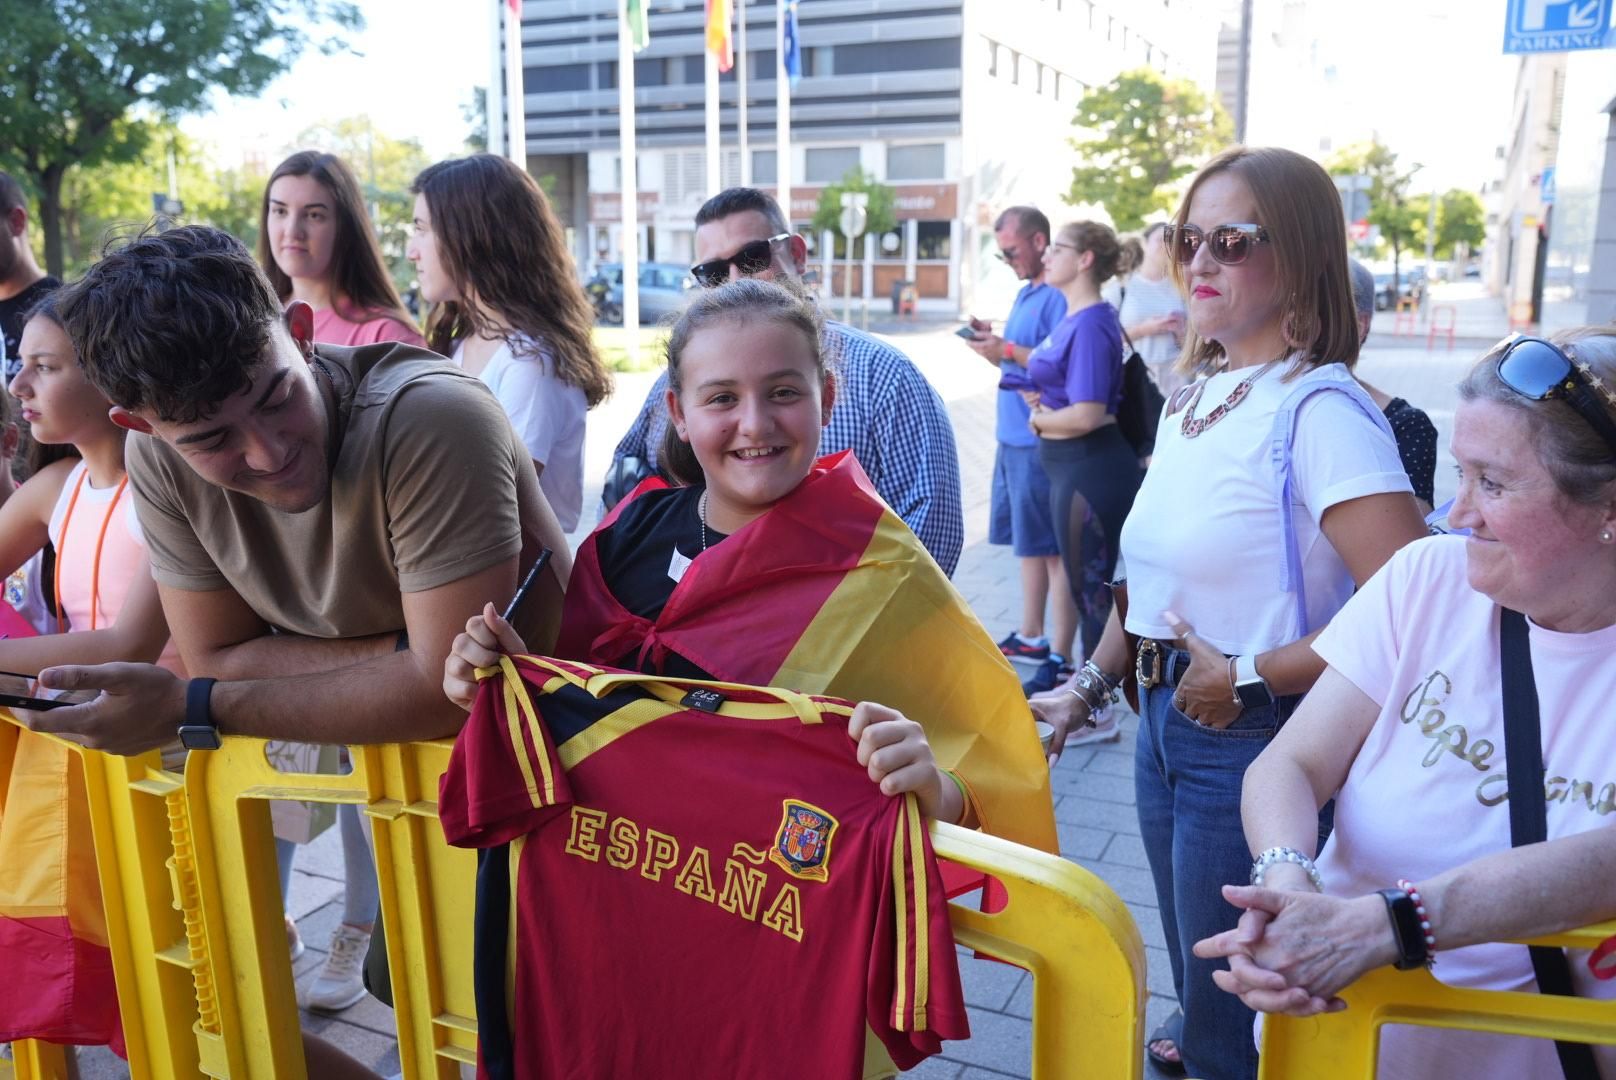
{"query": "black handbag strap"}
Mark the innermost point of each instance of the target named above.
(1528, 809)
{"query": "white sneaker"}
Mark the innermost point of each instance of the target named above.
(1104, 729)
(341, 981)
(294, 940)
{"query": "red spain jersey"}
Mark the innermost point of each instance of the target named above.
(698, 879)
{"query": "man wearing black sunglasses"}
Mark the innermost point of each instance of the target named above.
(886, 412)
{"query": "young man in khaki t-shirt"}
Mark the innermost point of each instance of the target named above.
(321, 524)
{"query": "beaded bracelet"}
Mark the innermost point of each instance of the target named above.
(1285, 855)
(1419, 908)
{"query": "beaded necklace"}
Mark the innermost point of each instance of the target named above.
(101, 538)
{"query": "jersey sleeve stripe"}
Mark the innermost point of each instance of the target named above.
(519, 713)
(900, 905)
(919, 909)
(519, 751)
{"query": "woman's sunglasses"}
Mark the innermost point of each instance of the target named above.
(753, 258)
(1541, 370)
(1230, 244)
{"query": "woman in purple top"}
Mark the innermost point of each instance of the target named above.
(1076, 375)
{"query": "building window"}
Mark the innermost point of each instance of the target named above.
(764, 168)
(932, 240)
(930, 55)
(828, 164)
(819, 60)
(559, 78)
(919, 162)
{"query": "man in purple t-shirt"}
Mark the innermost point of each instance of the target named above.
(1019, 514)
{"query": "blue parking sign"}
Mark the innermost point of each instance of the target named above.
(1558, 25)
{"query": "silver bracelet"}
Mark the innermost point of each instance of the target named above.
(1285, 855)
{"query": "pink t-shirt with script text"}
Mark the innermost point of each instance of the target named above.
(1427, 791)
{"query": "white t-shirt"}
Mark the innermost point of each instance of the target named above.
(26, 595)
(1427, 791)
(1145, 299)
(1204, 538)
(548, 415)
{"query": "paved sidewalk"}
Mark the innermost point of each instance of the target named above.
(1093, 786)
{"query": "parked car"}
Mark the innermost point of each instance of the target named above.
(1409, 286)
(662, 291)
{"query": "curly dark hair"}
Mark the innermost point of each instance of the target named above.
(174, 322)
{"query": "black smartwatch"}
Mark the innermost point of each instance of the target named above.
(1249, 686)
(199, 731)
(1412, 948)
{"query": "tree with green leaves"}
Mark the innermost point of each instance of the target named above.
(99, 201)
(1143, 133)
(1399, 214)
(881, 206)
(86, 81)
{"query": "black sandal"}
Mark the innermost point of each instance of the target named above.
(1170, 1030)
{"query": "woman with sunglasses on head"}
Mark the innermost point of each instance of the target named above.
(507, 307)
(1409, 730)
(316, 244)
(1239, 548)
(1074, 383)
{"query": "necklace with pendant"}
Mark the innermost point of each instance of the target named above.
(1192, 425)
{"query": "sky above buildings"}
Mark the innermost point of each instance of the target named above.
(1427, 76)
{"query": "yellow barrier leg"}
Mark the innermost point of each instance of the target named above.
(35, 1060)
(1077, 938)
(243, 957)
(133, 803)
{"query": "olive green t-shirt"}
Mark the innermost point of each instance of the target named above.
(429, 485)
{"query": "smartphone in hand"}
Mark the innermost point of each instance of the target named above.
(967, 332)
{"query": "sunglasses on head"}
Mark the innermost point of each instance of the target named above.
(1230, 244)
(1540, 370)
(753, 258)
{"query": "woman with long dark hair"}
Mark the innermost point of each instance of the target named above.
(316, 244)
(507, 306)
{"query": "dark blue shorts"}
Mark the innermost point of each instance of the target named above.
(1019, 514)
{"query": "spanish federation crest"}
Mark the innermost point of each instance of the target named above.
(802, 844)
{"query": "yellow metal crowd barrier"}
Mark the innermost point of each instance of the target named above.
(1061, 923)
(1344, 1045)
(135, 806)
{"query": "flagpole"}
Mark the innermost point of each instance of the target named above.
(494, 103)
(740, 93)
(715, 182)
(515, 98)
(629, 243)
(782, 114)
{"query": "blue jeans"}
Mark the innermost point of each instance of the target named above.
(1187, 779)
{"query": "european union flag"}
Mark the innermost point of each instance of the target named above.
(793, 44)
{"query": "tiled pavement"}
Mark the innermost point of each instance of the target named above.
(1093, 786)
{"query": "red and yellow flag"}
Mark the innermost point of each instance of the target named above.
(57, 982)
(720, 38)
(830, 593)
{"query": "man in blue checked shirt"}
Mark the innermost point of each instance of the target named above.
(885, 412)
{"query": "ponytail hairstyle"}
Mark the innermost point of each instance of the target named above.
(504, 248)
(744, 300)
(1098, 239)
(364, 289)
